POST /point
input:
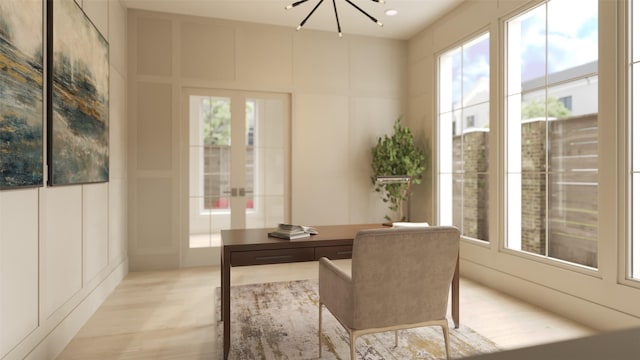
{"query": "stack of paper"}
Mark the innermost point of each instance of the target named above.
(291, 232)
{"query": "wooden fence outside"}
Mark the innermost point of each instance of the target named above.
(559, 187)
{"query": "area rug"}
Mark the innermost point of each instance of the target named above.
(280, 321)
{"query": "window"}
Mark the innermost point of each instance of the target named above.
(463, 90)
(552, 131)
(471, 121)
(635, 134)
(566, 102)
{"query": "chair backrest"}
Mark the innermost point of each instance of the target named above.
(402, 275)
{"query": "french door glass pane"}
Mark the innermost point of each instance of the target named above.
(250, 159)
(265, 181)
(216, 139)
(210, 138)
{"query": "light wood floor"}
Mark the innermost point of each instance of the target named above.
(170, 314)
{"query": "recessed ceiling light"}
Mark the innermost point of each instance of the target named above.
(391, 12)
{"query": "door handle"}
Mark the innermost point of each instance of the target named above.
(238, 192)
(244, 192)
(233, 192)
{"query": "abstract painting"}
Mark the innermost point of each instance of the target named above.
(21, 102)
(78, 97)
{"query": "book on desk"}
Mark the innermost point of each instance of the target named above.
(293, 232)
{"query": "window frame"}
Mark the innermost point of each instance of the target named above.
(629, 252)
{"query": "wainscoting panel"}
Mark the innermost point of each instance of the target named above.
(18, 266)
(95, 228)
(62, 246)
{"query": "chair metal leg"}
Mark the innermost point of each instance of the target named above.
(396, 338)
(320, 330)
(352, 344)
(445, 332)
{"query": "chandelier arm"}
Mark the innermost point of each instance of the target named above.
(296, 4)
(364, 12)
(335, 10)
(311, 13)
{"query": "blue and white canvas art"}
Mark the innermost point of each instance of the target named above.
(78, 120)
(21, 93)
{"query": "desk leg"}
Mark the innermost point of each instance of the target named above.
(226, 298)
(455, 295)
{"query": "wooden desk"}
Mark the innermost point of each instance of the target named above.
(255, 247)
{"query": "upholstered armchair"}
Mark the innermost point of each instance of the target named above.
(400, 279)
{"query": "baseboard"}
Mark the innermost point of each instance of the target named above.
(54, 343)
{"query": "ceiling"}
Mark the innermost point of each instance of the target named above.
(413, 15)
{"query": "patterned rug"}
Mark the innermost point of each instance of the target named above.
(280, 321)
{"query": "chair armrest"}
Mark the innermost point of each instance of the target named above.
(327, 265)
(335, 291)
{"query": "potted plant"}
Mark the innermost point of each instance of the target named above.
(393, 156)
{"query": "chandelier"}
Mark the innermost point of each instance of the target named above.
(335, 10)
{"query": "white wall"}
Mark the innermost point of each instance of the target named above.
(63, 249)
(345, 93)
(603, 299)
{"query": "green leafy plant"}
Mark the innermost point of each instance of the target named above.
(536, 108)
(397, 155)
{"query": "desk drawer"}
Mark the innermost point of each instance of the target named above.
(260, 257)
(334, 252)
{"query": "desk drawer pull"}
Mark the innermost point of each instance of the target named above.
(274, 257)
(260, 257)
(334, 252)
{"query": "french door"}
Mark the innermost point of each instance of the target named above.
(238, 166)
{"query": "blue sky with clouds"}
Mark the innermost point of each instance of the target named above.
(470, 66)
(563, 33)
(571, 31)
